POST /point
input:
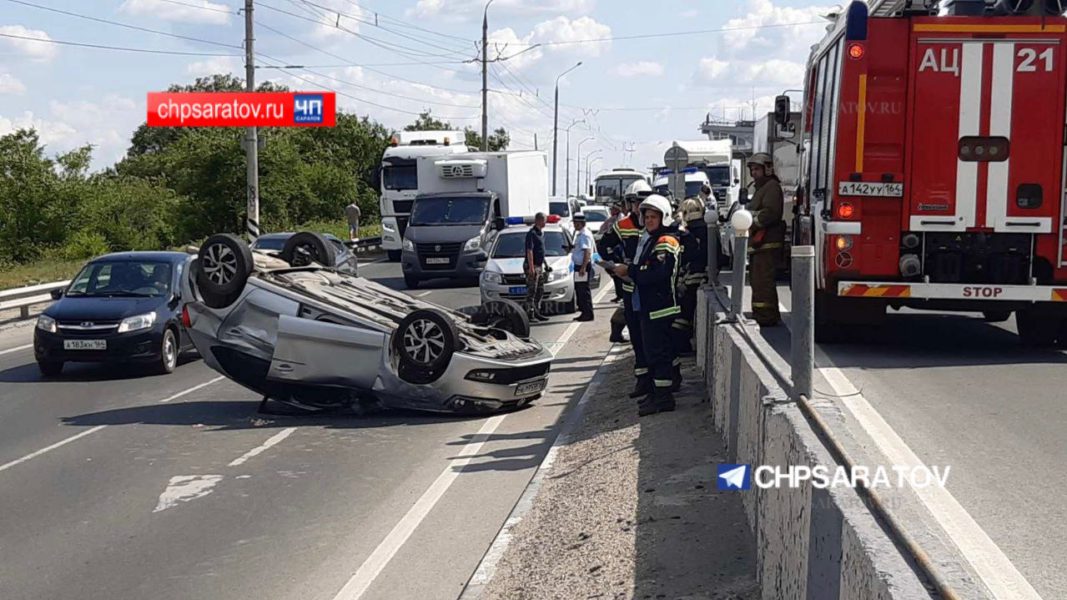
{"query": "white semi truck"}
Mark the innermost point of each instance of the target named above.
(400, 178)
(780, 142)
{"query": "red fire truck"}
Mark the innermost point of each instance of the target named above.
(933, 171)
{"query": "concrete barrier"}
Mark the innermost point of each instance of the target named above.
(812, 544)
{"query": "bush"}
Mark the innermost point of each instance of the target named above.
(84, 244)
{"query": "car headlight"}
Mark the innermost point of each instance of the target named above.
(490, 277)
(473, 244)
(137, 323)
(408, 245)
(386, 227)
(558, 274)
(46, 323)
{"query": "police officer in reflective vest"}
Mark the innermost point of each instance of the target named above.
(767, 239)
(655, 274)
(621, 247)
(693, 235)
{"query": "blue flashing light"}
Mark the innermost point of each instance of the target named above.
(514, 221)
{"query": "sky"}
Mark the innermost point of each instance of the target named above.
(650, 74)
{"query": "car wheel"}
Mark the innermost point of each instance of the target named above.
(50, 369)
(411, 282)
(168, 353)
(1036, 329)
(223, 265)
(393, 255)
(996, 316)
(503, 314)
(305, 248)
(424, 341)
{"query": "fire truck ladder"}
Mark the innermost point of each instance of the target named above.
(892, 8)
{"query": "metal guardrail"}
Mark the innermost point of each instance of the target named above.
(24, 298)
(365, 244)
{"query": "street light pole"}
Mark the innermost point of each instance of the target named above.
(567, 167)
(251, 135)
(555, 126)
(588, 168)
(485, 88)
(578, 164)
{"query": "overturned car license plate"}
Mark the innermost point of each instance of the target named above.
(519, 290)
(85, 344)
(437, 260)
(530, 387)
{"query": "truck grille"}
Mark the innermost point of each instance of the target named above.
(402, 206)
(515, 279)
(439, 249)
(402, 225)
(977, 258)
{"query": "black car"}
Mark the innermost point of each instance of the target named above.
(287, 246)
(123, 307)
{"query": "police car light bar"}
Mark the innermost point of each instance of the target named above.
(529, 220)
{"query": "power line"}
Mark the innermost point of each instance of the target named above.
(396, 64)
(674, 33)
(116, 48)
(126, 25)
(375, 23)
(229, 11)
(357, 98)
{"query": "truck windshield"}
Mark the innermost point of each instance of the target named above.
(614, 187)
(559, 209)
(719, 176)
(450, 211)
(400, 175)
(513, 245)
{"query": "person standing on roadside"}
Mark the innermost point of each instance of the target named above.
(767, 239)
(534, 266)
(582, 258)
(352, 213)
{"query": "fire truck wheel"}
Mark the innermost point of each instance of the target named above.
(1036, 329)
(996, 316)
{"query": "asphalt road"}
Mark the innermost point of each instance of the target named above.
(957, 391)
(115, 484)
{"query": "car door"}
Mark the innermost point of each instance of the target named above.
(322, 350)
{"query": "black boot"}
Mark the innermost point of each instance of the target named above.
(676, 379)
(642, 388)
(663, 400)
(616, 333)
(647, 406)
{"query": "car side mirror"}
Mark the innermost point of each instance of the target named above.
(781, 110)
(57, 294)
(737, 181)
(499, 224)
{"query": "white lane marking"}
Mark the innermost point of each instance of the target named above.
(58, 444)
(556, 346)
(77, 436)
(185, 488)
(991, 564)
(191, 390)
(15, 349)
(274, 439)
(422, 294)
(387, 549)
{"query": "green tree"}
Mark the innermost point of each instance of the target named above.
(498, 139)
(33, 205)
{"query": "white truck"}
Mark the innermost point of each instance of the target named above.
(716, 159)
(400, 181)
(462, 203)
(612, 185)
(780, 143)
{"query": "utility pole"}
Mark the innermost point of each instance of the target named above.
(251, 137)
(485, 87)
(555, 127)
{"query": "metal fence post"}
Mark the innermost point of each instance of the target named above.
(737, 294)
(802, 315)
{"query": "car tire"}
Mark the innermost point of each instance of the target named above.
(393, 255)
(224, 263)
(996, 316)
(411, 282)
(168, 353)
(424, 341)
(1036, 329)
(306, 247)
(50, 368)
(503, 314)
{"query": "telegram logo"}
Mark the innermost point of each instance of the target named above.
(734, 477)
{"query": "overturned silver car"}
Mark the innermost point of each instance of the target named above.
(292, 330)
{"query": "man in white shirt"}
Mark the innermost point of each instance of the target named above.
(582, 257)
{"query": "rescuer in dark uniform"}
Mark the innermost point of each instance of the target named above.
(620, 246)
(693, 271)
(767, 239)
(655, 274)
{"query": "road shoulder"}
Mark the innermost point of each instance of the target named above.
(629, 509)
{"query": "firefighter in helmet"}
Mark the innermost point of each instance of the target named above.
(654, 273)
(693, 271)
(767, 239)
(620, 245)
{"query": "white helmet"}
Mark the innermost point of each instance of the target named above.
(661, 205)
(639, 189)
(760, 158)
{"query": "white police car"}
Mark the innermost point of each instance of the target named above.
(503, 276)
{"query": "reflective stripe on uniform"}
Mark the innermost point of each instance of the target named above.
(663, 383)
(638, 372)
(682, 326)
(676, 362)
(665, 312)
(761, 304)
(767, 246)
(628, 287)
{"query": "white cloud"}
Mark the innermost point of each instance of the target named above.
(641, 68)
(466, 10)
(770, 73)
(189, 11)
(10, 85)
(769, 30)
(217, 64)
(560, 38)
(40, 51)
